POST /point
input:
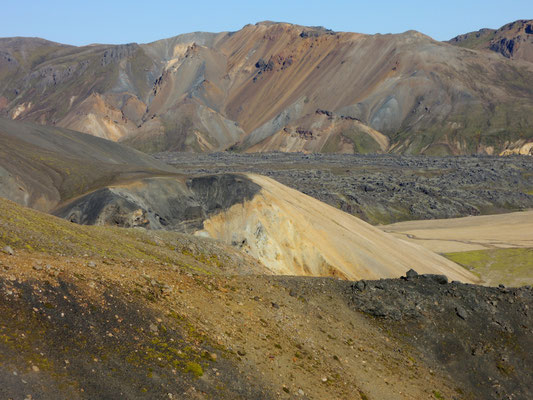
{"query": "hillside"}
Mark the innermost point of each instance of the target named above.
(287, 231)
(291, 233)
(87, 312)
(514, 40)
(275, 86)
(42, 166)
(92, 181)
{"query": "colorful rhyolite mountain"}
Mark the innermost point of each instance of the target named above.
(277, 86)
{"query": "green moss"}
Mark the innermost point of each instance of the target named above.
(437, 395)
(363, 395)
(195, 368)
(472, 127)
(27, 229)
(505, 368)
(332, 144)
(508, 266)
(474, 41)
(363, 143)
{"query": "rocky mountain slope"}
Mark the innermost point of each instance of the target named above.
(87, 312)
(294, 234)
(287, 231)
(275, 86)
(514, 40)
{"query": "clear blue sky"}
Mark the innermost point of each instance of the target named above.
(118, 21)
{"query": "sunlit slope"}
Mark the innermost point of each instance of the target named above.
(276, 86)
(24, 229)
(468, 233)
(513, 40)
(291, 233)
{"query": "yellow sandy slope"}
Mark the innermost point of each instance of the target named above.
(469, 233)
(291, 233)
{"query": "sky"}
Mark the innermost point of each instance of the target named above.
(117, 21)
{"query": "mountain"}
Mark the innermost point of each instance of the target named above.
(276, 86)
(514, 40)
(92, 181)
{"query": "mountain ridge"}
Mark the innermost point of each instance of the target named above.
(513, 40)
(275, 86)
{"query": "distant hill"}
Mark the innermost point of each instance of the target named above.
(514, 40)
(277, 86)
(41, 166)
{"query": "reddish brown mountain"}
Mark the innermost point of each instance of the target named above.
(276, 86)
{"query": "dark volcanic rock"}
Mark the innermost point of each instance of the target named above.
(441, 279)
(411, 274)
(383, 189)
(161, 203)
(461, 312)
(482, 336)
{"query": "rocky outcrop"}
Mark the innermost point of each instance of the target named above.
(514, 40)
(117, 53)
(479, 335)
(171, 203)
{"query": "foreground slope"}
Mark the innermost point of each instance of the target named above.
(276, 86)
(92, 312)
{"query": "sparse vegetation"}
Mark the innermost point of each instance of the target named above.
(437, 395)
(513, 267)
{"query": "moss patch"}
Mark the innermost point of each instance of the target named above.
(513, 267)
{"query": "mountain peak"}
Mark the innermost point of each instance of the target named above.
(513, 40)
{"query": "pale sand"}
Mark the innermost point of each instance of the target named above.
(292, 233)
(469, 233)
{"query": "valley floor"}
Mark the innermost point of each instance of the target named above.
(498, 248)
(513, 230)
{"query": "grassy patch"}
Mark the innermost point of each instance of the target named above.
(474, 41)
(437, 395)
(363, 143)
(513, 267)
(33, 231)
(195, 368)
